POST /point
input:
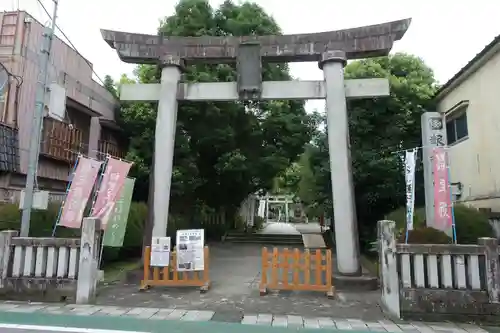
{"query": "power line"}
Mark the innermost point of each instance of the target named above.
(68, 40)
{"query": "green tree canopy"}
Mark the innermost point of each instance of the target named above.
(224, 151)
(379, 129)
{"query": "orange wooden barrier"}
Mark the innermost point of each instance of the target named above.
(170, 277)
(296, 270)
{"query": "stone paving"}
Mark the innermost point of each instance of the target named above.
(265, 319)
(235, 275)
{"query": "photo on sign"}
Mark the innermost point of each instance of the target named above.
(185, 265)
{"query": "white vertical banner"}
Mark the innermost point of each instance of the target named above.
(410, 164)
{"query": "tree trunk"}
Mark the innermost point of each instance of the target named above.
(148, 227)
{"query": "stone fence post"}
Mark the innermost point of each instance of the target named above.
(5, 253)
(492, 267)
(89, 260)
(389, 280)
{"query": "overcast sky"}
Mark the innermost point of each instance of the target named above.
(445, 33)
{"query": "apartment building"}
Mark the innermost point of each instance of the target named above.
(470, 102)
(87, 125)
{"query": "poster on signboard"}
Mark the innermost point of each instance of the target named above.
(160, 252)
(190, 254)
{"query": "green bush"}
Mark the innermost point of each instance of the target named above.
(42, 221)
(239, 222)
(258, 222)
(399, 216)
(425, 235)
(470, 223)
(135, 225)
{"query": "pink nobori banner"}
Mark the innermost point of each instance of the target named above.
(442, 200)
(109, 191)
(79, 192)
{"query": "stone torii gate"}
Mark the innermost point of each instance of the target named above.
(330, 49)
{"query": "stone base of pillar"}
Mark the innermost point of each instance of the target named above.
(355, 283)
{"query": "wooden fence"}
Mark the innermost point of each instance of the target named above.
(283, 269)
(453, 281)
(169, 276)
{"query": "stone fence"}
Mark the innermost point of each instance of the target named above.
(39, 269)
(439, 281)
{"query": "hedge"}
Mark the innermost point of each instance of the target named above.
(42, 223)
(425, 235)
(470, 223)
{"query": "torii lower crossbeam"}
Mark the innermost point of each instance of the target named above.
(271, 90)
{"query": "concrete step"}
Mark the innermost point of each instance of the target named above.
(287, 239)
(256, 235)
(265, 241)
(272, 239)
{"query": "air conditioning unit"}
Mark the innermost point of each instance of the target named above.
(456, 190)
(57, 102)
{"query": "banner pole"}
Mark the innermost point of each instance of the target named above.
(454, 229)
(70, 181)
(101, 250)
(96, 192)
(99, 181)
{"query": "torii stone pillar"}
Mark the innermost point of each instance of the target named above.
(346, 235)
(248, 52)
(166, 121)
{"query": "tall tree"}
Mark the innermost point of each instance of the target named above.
(109, 84)
(380, 129)
(223, 151)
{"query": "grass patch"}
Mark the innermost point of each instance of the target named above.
(115, 271)
(371, 264)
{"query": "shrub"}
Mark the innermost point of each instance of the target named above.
(239, 222)
(470, 223)
(135, 225)
(258, 222)
(425, 235)
(42, 221)
(399, 216)
(473, 224)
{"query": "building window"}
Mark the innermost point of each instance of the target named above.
(456, 123)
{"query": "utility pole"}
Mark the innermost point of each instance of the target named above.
(36, 126)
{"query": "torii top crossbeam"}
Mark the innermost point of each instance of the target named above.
(362, 42)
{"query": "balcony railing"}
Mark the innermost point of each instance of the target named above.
(61, 141)
(109, 148)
